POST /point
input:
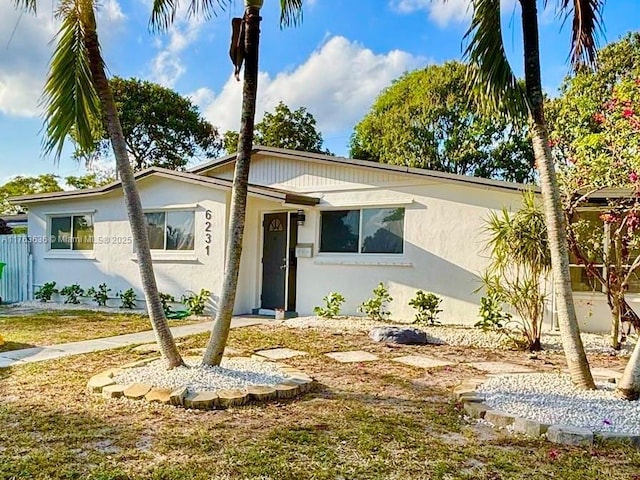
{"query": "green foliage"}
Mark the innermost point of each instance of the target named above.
(90, 180)
(46, 291)
(128, 298)
(283, 128)
(425, 119)
(332, 304)
(20, 185)
(427, 306)
(165, 299)
(99, 295)
(519, 265)
(374, 307)
(72, 293)
(196, 302)
(492, 317)
(161, 127)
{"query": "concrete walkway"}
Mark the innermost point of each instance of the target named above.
(39, 354)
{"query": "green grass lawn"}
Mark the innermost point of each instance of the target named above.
(379, 420)
(49, 328)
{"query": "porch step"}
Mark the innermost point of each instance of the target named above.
(266, 312)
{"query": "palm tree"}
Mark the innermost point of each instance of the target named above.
(76, 93)
(290, 12)
(494, 81)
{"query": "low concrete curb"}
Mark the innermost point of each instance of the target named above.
(296, 383)
(474, 406)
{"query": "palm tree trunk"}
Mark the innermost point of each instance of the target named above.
(629, 385)
(569, 330)
(222, 325)
(132, 202)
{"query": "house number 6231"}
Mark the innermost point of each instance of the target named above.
(207, 231)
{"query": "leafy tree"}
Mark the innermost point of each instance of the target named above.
(596, 141)
(161, 128)
(21, 185)
(496, 85)
(244, 49)
(90, 180)
(283, 128)
(425, 119)
(76, 93)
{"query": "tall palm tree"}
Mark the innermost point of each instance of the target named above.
(290, 12)
(76, 93)
(495, 82)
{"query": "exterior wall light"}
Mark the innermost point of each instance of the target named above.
(301, 217)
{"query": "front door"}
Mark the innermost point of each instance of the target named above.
(274, 260)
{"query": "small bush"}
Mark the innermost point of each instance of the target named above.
(72, 293)
(426, 305)
(374, 307)
(128, 298)
(492, 317)
(165, 299)
(333, 302)
(196, 302)
(99, 295)
(46, 291)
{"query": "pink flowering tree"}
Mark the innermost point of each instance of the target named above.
(596, 143)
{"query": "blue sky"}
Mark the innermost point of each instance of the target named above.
(334, 64)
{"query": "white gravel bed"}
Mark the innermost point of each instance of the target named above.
(37, 306)
(553, 399)
(233, 373)
(460, 335)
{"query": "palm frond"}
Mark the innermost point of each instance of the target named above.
(70, 99)
(586, 16)
(491, 77)
(28, 5)
(290, 12)
(163, 13)
(206, 8)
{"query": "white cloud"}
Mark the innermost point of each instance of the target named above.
(25, 51)
(442, 12)
(337, 84)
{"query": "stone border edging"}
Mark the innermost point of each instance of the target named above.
(474, 406)
(297, 382)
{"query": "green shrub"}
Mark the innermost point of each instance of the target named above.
(46, 291)
(426, 305)
(128, 298)
(374, 307)
(99, 295)
(196, 302)
(165, 299)
(72, 293)
(333, 302)
(492, 317)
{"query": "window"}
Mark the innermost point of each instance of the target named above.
(173, 230)
(368, 230)
(71, 232)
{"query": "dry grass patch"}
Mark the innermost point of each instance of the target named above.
(49, 328)
(378, 420)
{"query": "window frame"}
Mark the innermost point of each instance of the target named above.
(166, 212)
(70, 216)
(359, 251)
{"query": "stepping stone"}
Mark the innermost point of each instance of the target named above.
(262, 392)
(280, 353)
(422, 361)
(113, 391)
(232, 397)
(202, 400)
(161, 395)
(501, 367)
(353, 356)
(98, 382)
(177, 396)
(137, 391)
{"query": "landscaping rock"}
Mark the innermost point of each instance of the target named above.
(98, 382)
(160, 395)
(475, 409)
(113, 391)
(202, 400)
(137, 391)
(287, 390)
(232, 397)
(567, 435)
(530, 428)
(403, 336)
(262, 393)
(618, 438)
(177, 396)
(499, 418)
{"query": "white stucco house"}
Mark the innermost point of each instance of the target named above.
(315, 224)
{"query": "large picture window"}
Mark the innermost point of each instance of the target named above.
(71, 232)
(367, 230)
(171, 230)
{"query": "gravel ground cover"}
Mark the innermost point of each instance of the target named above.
(233, 373)
(463, 336)
(552, 399)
